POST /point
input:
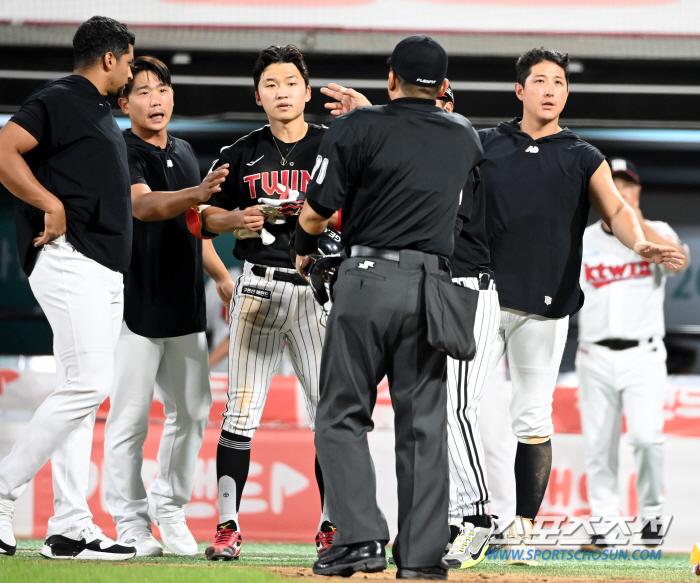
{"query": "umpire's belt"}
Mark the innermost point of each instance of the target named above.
(277, 275)
(618, 344)
(389, 254)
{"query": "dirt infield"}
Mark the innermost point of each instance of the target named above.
(306, 574)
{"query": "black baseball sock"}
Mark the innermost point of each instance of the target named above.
(533, 463)
(232, 465)
(480, 520)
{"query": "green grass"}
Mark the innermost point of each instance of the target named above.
(28, 566)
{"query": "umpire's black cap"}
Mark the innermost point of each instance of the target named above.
(419, 60)
(622, 166)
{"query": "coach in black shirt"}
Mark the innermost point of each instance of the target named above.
(62, 155)
(163, 338)
(399, 195)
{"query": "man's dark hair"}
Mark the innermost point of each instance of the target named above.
(534, 56)
(420, 91)
(98, 36)
(275, 54)
(151, 65)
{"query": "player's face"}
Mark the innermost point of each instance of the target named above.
(628, 190)
(282, 92)
(120, 72)
(150, 103)
(545, 91)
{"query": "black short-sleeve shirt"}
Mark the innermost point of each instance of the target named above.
(164, 288)
(537, 198)
(386, 167)
(255, 172)
(81, 159)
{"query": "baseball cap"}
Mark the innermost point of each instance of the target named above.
(623, 166)
(419, 60)
(448, 95)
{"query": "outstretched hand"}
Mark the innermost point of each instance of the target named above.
(346, 99)
(653, 253)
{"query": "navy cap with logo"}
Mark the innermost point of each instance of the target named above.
(621, 166)
(448, 95)
(419, 60)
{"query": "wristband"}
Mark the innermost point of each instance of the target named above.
(305, 243)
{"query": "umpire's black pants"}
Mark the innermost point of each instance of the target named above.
(377, 327)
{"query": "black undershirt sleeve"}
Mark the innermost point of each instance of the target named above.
(325, 212)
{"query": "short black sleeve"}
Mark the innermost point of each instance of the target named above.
(137, 169)
(229, 196)
(336, 166)
(34, 118)
(591, 159)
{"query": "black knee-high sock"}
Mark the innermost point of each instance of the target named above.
(533, 464)
(232, 465)
(319, 481)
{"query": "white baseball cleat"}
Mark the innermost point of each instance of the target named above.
(8, 542)
(145, 544)
(177, 537)
(87, 542)
(520, 544)
(470, 546)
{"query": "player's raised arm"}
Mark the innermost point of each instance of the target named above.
(346, 99)
(624, 222)
(157, 206)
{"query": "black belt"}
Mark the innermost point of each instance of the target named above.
(618, 344)
(277, 275)
(389, 254)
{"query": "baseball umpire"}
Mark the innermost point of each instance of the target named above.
(62, 155)
(272, 304)
(400, 197)
(162, 345)
(621, 360)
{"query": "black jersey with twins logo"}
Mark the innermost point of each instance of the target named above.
(257, 170)
(536, 211)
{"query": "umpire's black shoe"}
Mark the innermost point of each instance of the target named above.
(438, 573)
(367, 557)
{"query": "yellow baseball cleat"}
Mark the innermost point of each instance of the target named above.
(695, 559)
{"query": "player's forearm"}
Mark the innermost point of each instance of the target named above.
(17, 177)
(650, 234)
(159, 205)
(220, 221)
(219, 353)
(625, 226)
(311, 221)
(213, 266)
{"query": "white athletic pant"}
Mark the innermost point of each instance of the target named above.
(469, 493)
(613, 383)
(83, 302)
(265, 312)
(534, 346)
(178, 370)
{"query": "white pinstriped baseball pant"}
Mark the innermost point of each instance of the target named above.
(265, 313)
(469, 492)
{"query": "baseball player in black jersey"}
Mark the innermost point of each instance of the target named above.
(398, 192)
(540, 181)
(272, 303)
(63, 157)
(162, 340)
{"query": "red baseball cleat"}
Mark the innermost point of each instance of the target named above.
(227, 544)
(324, 538)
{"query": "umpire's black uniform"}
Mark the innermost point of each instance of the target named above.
(398, 172)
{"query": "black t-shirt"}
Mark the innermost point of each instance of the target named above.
(164, 289)
(81, 159)
(255, 172)
(537, 196)
(471, 256)
(386, 167)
